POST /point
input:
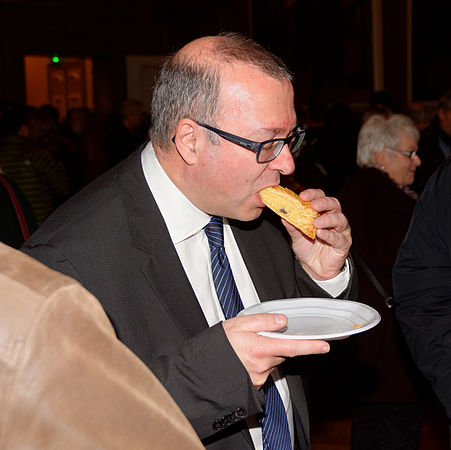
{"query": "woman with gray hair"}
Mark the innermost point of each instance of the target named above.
(390, 145)
(386, 386)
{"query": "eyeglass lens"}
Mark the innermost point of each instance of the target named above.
(272, 149)
(410, 154)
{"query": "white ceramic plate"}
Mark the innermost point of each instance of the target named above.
(318, 318)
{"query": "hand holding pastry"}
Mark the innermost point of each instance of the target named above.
(324, 256)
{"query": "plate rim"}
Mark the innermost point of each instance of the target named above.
(329, 301)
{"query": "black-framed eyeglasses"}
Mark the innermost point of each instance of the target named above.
(267, 150)
(410, 154)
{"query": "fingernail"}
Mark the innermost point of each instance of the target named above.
(325, 349)
(280, 320)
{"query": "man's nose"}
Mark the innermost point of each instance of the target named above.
(284, 162)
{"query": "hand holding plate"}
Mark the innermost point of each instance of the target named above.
(260, 354)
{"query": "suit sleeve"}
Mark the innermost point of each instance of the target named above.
(209, 383)
(422, 284)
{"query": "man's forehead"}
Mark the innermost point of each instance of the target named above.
(238, 75)
(260, 122)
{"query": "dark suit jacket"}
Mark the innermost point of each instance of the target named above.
(112, 238)
(422, 283)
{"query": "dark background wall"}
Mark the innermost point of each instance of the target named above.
(327, 43)
(432, 48)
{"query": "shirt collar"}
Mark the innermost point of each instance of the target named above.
(182, 218)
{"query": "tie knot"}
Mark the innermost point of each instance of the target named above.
(215, 233)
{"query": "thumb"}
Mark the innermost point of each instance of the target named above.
(262, 322)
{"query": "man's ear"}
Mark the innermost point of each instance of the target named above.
(185, 140)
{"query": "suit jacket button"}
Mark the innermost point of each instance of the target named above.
(240, 412)
(217, 425)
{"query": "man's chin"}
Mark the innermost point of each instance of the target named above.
(248, 215)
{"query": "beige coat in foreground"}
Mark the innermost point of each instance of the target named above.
(66, 381)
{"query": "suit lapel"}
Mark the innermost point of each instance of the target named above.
(159, 261)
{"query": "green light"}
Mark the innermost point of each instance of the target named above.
(55, 59)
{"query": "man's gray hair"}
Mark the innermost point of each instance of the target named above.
(381, 131)
(188, 86)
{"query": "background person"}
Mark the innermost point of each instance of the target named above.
(137, 239)
(435, 142)
(84, 134)
(422, 284)
(25, 160)
(421, 113)
(18, 220)
(385, 385)
(125, 132)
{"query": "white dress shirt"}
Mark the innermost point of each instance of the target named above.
(192, 247)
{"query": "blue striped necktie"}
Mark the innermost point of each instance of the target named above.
(275, 431)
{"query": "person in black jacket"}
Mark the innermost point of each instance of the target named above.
(124, 132)
(435, 143)
(422, 284)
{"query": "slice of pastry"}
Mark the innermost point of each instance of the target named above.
(288, 205)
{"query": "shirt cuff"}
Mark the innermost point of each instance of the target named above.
(335, 286)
